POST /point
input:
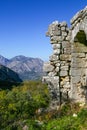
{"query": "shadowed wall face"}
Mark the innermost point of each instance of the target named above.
(81, 38)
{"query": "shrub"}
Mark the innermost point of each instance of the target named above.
(21, 103)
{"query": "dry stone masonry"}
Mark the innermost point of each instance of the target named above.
(67, 67)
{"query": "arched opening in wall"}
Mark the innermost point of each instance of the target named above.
(81, 38)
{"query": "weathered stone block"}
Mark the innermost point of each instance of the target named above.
(54, 58)
(77, 64)
(81, 55)
(54, 80)
(54, 38)
(56, 51)
(66, 86)
(64, 68)
(65, 57)
(64, 80)
(57, 64)
(63, 28)
(63, 24)
(48, 67)
(67, 51)
(51, 74)
(79, 48)
(66, 44)
(68, 38)
(64, 34)
(57, 69)
(63, 73)
(56, 46)
(76, 79)
(56, 32)
(76, 72)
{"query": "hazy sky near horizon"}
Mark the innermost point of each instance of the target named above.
(23, 24)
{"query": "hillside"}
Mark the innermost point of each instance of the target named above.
(8, 77)
(28, 68)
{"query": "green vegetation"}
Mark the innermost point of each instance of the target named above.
(69, 122)
(21, 103)
(26, 106)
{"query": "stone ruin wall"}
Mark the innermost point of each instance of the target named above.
(67, 67)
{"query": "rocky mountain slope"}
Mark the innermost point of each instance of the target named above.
(7, 76)
(4, 61)
(28, 68)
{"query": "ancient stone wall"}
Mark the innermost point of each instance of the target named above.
(67, 67)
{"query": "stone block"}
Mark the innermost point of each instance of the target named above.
(66, 44)
(63, 28)
(56, 51)
(63, 24)
(67, 86)
(64, 68)
(67, 51)
(79, 48)
(57, 32)
(51, 74)
(51, 80)
(64, 34)
(57, 64)
(64, 80)
(57, 69)
(78, 55)
(48, 67)
(54, 38)
(65, 57)
(63, 73)
(81, 64)
(75, 72)
(68, 38)
(81, 55)
(75, 79)
(53, 42)
(54, 58)
(56, 46)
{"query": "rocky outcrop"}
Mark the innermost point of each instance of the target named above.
(67, 66)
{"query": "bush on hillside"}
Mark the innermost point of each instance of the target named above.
(21, 102)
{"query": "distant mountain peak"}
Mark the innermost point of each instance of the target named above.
(26, 67)
(3, 60)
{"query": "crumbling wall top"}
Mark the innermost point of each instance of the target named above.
(55, 27)
(79, 15)
(79, 23)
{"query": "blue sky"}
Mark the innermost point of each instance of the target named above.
(23, 24)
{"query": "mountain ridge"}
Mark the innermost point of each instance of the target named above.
(8, 78)
(27, 68)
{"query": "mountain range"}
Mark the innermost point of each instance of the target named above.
(27, 68)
